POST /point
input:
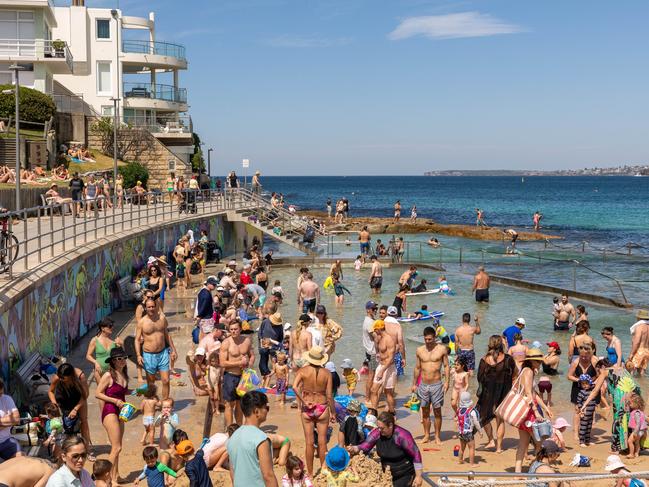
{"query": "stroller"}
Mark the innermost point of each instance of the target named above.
(188, 204)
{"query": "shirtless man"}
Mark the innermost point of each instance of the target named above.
(308, 294)
(397, 211)
(376, 275)
(408, 276)
(153, 344)
(395, 330)
(236, 354)
(25, 472)
(430, 358)
(481, 283)
(513, 234)
(385, 377)
(464, 336)
(364, 239)
(564, 315)
(640, 342)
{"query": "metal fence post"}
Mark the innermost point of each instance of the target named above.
(38, 229)
(460, 256)
(574, 276)
(25, 235)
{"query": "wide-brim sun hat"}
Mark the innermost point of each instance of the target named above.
(561, 423)
(276, 318)
(330, 366)
(613, 462)
(316, 356)
(534, 354)
(642, 314)
(337, 459)
(354, 406)
(370, 420)
(346, 364)
(117, 352)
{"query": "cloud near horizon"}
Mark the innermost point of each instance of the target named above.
(305, 42)
(453, 26)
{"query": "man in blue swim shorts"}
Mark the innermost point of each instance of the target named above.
(364, 239)
(154, 347)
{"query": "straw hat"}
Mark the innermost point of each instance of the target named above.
(163, 259)
(276, 318)
(534, 354)
(642, 314)
(316, 356)
(613, 462)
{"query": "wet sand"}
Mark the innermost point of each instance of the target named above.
(285, 420)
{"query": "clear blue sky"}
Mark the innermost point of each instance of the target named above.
(403, 86)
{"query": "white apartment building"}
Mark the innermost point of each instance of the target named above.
(99, 54)
(26, 28)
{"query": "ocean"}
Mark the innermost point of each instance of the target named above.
(605, 211)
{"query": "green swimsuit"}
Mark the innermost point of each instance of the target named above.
(101, 354)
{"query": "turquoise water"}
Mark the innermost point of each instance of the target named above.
(507, 304)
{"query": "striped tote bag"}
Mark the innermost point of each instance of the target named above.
(515, 407)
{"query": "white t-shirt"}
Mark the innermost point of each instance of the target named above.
(316, 336)
(217, 440)
(368, 343)
(7, 407)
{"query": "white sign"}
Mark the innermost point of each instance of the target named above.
(245, 163)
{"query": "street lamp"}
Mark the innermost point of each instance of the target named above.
(115, 127)
(209, 162)
(115, 15)
(17, 69)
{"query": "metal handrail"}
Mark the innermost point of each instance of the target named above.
(471, 475)
(154, 47)
(44, 235)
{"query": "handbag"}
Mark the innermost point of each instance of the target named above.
(515, 407)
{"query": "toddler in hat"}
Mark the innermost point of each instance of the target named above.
(336, 471)
(586, 410)
(350, 374)
(468, 422)
(615, 465)
(195, 466)
(558, 428)
(351, 430)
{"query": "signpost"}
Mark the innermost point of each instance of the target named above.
(245, 163)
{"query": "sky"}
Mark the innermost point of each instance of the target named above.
(380, 87)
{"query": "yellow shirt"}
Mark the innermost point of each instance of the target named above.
(339, 479)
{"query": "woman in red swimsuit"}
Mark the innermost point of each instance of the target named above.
(112, 390)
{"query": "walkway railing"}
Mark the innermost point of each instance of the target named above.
(491, 479)
(32, 236)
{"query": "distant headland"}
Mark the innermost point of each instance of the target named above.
(626, 170)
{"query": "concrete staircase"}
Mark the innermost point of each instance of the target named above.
(8, 151)
(293, 237)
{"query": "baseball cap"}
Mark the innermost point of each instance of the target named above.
(392, 311)
(212, 280)
(185, 447)
(554, 345)
(520, 321)
(306, 318)
(371, 305)
(199, 351)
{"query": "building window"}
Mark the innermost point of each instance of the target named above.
(106, 111)
(103, 29)
(104, 85)
(172, 165)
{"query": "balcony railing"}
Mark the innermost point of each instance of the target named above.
(161, 125)
(157, 48)
(35, 49)
(155, 91)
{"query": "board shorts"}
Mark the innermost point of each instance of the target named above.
(281, 386)
(561, 325)
(482, 295)
(545, 386)
(372, 363)
(431, 394)
(230, 383)
(376, 282)
(76, 195)
(468, 356)
(398, 363)
(147, 420)
(641, 358)
(207, 325)
(365, 247)
(156, 362)
(308, 305)
(389, 376)
(9, 448)
(466, 437)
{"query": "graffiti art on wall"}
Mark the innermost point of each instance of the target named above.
(56, 314)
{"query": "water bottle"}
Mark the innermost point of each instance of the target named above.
(456, 450)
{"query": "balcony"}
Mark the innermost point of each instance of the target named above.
(163, 127)
(55, 53)
(161, 97)
(139, 55)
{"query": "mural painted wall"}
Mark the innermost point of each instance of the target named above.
(56, 314)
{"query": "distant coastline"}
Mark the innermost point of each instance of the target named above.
(635, 170)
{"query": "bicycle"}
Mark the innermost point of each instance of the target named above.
(8, 243)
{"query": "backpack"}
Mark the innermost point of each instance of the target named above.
(464, 420)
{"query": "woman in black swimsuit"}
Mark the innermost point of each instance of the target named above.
(585, 364)
(155, 281)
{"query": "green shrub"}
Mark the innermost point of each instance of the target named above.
(133, 172)
(34, 105)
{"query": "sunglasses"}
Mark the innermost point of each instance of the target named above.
(79, 456)
(585, 348)
(120, 358)
(320, 313)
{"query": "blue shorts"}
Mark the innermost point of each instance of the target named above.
(468, 356)
(9, 448)
(365, 247)
(230, 383)
(156, 362)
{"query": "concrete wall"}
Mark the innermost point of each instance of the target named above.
(66, 299)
